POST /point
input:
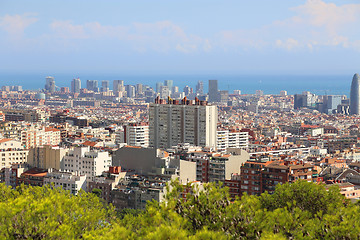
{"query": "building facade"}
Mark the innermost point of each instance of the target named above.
(355, 95)
(192, 122)
(86, 162)
(137, 134)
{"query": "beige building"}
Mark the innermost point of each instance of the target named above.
(142, 160)
(192, 122)
(11, 152)
(46, 157)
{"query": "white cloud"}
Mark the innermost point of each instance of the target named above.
(15, 25)
(329, 15)
(289, 44)
(160, 36)
(314, 24)
(65, 29)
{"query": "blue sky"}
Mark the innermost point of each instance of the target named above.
(202, 36)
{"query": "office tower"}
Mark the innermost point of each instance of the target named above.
(118, 85)
(200, 87)
(105, 86)
(158, 86)
(298, 101)
(50, 84)
(92, 85)
(213, 91)
(169, 84)
(355, 95)
(192, 122)
(139, 89)
(76, 85)
(331, 103)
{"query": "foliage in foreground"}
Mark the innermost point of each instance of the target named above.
(300, 210)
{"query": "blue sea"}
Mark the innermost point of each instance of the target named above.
(248, 84)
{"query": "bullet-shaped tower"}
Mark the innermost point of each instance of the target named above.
(355, 95)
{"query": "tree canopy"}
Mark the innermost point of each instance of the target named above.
(300, 210)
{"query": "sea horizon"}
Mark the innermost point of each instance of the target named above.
(247, 83)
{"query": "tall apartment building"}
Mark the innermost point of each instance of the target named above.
(118, 85)
(105, 86)
(92, 85)
(231, 139)
(137, 134)
(192, 122)
(86, 162)
(76, 85)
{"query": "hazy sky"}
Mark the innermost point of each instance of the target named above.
(188, 36)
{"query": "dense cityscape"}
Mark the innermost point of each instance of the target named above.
(162, 120)
(131, 140)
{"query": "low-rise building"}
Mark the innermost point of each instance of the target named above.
(69, 181)
(86, 162)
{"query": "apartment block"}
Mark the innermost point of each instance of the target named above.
(32, 137)
(137, 134)
(258, 177)
(46, 156)
(83, 161)
(72, 182)
(12, 152)
(192, 122)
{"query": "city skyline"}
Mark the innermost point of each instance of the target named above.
(295, 37)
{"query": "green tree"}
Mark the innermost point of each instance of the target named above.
(45, 213)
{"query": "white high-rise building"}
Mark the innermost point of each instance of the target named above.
(137, 135)
(87, 162)
(231, 139)
(190, 121)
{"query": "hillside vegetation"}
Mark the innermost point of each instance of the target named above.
(300, 210)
